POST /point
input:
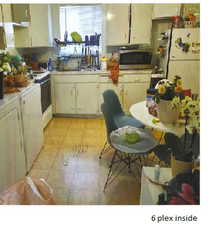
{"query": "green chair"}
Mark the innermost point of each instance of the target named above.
(125, 154)
(119, 118)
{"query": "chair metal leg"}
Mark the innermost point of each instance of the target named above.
(104, 149)
(127, 160)
(129, 163)
(110, 170)
(162, 135)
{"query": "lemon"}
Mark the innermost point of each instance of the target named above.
(132, 138)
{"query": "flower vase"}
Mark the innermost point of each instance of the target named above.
(1, 85)
(165, 113)
(178, 166)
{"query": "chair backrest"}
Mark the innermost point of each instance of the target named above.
(112, 101)
(109, 122)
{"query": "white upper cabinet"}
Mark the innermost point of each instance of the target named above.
(117, 24)
(119, 29)
(20, 13)
(38, 34)
(7, 31)
(7, 13)
(165, 10)
(40, 30)
(141, 23)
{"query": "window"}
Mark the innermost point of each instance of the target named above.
(86, 20)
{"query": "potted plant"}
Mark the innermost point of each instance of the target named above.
(165, 93)
(12, 73)
(4, 69)
(185, 150)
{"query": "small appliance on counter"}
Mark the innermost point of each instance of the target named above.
(135, 59)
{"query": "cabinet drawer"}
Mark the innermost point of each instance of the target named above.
(139, 78)
(76, 79)
(106, 79)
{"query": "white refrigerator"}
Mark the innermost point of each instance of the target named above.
(185, 61)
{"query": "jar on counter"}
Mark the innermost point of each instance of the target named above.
(150, 103)
(104, 63)
(149, 96)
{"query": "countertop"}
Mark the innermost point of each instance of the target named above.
(101, 73)
(11, 97)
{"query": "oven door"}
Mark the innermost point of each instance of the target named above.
(135, 60)
(45, 94)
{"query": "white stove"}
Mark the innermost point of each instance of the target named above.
(43, 78)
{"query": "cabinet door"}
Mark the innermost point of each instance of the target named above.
(141, 24)
(20, 13)
(87, 98)
(32, 125)
(133, 93)
(117, 88)
(166, 10)
(39, 25)
(117, 24)
(12, 157)
(7, 12)
(64, 98)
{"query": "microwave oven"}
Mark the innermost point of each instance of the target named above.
(135, 59)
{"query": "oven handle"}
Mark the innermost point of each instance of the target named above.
(43, 82)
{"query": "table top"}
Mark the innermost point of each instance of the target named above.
(140, 112)
(149, 191)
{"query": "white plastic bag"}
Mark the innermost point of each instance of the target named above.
(29, 191)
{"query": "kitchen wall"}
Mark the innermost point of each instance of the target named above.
(43, 54)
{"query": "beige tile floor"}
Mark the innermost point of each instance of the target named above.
(69, 162)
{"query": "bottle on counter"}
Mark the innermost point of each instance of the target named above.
(157, 173)
(104, 63)
(50, 64)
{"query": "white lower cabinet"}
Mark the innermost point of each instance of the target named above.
(80, 98)
(133, 93)
(12, 156)
(87, 98)
(84, 95)
(32, 124)
(64, 95)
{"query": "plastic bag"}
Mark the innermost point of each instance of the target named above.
(29, 191)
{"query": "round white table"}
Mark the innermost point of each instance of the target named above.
(140, 112)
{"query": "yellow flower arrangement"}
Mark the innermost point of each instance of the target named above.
(161, 89)
(178, 89)
(167, 90)
(179, 83)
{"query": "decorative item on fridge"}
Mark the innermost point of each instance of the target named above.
(183, 57)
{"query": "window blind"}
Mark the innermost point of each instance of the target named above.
(86, 20)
